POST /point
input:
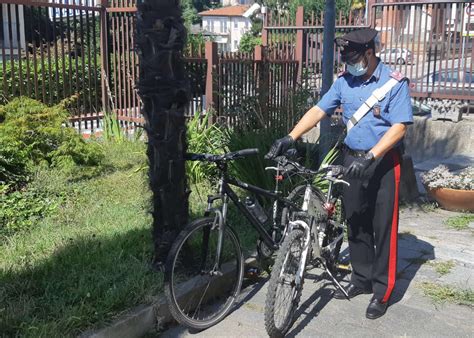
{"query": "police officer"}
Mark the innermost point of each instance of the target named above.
(372, 154)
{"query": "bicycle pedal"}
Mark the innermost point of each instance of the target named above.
(252, 272)
(344, 267)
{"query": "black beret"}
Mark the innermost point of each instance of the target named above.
(357, 40)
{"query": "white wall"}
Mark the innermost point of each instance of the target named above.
(236, 2)
(12, 26)
(233, 28)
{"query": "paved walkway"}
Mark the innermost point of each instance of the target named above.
(424, 241)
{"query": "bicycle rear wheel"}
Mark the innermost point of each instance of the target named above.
(283, 295)
(200, 294)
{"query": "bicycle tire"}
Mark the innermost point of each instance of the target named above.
(187, 293)
(274, 328)
(316, 204)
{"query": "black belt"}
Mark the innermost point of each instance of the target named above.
(362, 153)
(352, 152)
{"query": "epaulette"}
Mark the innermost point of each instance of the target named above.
(397, 75)
(344, 72)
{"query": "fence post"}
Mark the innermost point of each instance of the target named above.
(299, 55)
(262, 78)
(104, 59)
(264, 28)
(211, 89)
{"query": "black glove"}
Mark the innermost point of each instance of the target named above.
(279, 147)
(359, 166)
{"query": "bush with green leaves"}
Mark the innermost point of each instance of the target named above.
(19, 210)
(203, 137)
(32, 134)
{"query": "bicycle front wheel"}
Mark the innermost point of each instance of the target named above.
(200, 293)
(284, 293)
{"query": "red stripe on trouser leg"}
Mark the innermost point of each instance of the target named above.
(392, 258)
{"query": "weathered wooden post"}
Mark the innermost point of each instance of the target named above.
(299, 46)
(211, 88)
(261, 71)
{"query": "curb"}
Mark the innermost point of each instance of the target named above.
(140, 320)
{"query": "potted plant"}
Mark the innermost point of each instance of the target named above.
(451, 191)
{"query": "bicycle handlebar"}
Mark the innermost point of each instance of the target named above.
(332, 171)
(221, 158)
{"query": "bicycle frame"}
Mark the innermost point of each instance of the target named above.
(225, 193)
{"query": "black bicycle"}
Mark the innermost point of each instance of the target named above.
(204, 268)
(315, 236)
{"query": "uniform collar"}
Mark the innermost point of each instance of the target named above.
(377, 72)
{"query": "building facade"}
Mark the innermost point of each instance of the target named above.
(227, 25)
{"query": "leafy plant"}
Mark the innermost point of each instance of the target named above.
(460, 222)
(330, 158)
(443, 293)
(248, 42)
(203, 137)
(252, 168)
(443, 268)
(441, 177)
(112, 130)
(19, 210)
(33, 134)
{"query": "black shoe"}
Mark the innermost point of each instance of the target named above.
(351, 290)
(376, 309)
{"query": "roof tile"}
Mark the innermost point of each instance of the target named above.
(238, 10)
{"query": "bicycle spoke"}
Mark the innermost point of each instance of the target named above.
(202, 297)
(198, 299)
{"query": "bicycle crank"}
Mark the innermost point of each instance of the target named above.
(334, 279)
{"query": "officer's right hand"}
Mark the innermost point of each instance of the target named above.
(279, 147)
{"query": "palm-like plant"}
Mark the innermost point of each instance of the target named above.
(163, 88)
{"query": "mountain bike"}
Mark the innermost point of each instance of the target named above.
(204, 268)
(315, 236)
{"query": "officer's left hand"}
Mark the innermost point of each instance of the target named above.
(359, 166)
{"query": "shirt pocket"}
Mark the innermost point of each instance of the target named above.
(348, 104)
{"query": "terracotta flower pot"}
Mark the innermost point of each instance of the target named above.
(453, 199)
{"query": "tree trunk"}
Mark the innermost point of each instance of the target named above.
(163, 88)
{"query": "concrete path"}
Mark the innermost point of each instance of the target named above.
(424, 241)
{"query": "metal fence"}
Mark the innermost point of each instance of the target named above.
(51, 51)
(430, 42)
(54, 50)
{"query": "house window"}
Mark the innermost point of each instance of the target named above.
(246, 25)
(236, 44)
(212, 26)
(223, 26)
(236, 24)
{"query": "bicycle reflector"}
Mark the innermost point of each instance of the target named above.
(330, 208)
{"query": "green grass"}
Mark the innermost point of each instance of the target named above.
(460, 222)
(90, 261)
(444, 293)
(443, 267)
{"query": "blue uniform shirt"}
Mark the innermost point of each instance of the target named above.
(350, 92)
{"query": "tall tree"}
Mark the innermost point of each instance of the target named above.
(163, 88)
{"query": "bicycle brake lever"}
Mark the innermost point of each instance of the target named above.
(271, 168)
(342, 181)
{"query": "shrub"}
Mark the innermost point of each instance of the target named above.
(19, 210)
(33, 134)
(203, 138)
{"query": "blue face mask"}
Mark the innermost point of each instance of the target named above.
(358, 69)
